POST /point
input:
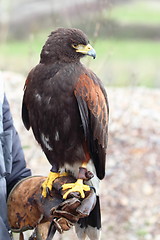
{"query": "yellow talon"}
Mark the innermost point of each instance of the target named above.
(78, 186)
(49, 181)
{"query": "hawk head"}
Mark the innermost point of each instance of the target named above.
(66, 44)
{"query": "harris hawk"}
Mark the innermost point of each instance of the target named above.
(66, 106)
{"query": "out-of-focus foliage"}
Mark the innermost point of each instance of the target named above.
(125, 35)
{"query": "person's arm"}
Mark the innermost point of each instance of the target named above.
(19, 170)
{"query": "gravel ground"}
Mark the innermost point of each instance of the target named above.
(130, 191)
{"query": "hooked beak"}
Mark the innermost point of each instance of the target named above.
(86, 49)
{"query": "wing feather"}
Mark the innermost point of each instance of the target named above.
(84, 115)
(93, 106)
(25, 114)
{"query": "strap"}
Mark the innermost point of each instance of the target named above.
(51, 231)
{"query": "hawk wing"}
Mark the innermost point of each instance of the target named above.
(25, 114)
(94, 111)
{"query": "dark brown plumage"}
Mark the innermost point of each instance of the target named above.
(66, 104)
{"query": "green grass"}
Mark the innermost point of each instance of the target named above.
(147, 12)
(20, 55)
(22, 48)
(118, 62)
(128, 49)
(126, 62)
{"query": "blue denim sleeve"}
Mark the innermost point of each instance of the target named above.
(18, 165)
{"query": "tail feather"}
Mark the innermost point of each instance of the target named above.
(91, 225)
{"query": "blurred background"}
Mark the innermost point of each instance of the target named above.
(126, 37)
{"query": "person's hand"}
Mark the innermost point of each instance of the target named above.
(28, 210)
(71, 210)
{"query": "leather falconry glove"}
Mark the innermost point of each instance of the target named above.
(28, 210)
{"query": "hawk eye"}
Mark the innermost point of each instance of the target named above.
(74, 45)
